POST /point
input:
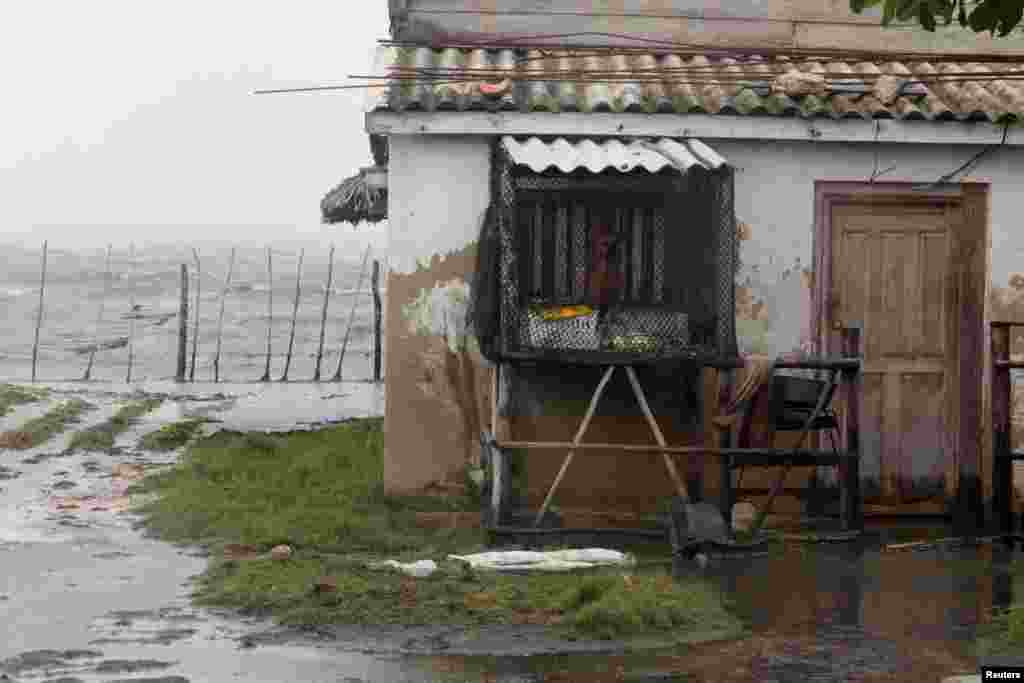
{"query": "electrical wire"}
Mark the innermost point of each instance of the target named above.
(967, 164)
(755, 71)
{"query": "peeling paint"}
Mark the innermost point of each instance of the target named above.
(773, 315)
(441, 312)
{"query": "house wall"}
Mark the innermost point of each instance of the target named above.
(438, 385)
(768, 23)
(438, 191)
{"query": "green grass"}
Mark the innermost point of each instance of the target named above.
(41, 429)
(12, 395)
(101, 437)
(171, 436)
(1005, 633)
(321, 492)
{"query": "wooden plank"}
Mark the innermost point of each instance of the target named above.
(952, 329)
(850, 501)
(576, 442)
(825, 455)
(659, 437)
(974, 277)
(1002, 470)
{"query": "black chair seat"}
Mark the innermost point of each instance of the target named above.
(794, 421)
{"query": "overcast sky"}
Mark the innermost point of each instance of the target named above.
(135, 118)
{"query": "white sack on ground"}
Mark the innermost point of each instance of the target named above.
(420, 569)
(555, 560)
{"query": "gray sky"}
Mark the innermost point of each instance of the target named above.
(136, 119)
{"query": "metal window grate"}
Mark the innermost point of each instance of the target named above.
(665, 288)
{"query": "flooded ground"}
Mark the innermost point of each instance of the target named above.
(84, 596)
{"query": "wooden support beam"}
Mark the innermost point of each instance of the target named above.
(851, 507)
(1002, 467)
(768, 455)
(575, 442)
(658, 436)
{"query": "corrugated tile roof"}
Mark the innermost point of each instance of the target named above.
(559, 81)
(596, 157)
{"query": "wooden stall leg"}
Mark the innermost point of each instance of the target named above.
(726, 497)
(658, 436)
(1002, 467)
(849, 468)
(575, 442)
(724, 440)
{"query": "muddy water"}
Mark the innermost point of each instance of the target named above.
(85, 596)
(849, 612)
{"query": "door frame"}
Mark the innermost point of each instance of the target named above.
(969, 470)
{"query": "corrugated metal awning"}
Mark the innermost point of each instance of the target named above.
(652, 156)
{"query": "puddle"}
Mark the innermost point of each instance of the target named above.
(81, 578)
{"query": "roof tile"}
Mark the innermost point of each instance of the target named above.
(590, 81)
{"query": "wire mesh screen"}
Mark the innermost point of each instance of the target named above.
(611, 263)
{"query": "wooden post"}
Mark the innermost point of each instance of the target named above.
(195, 328)
(351, 317)
(726, 495)
(587, 417)
(658, 436)
(323, 315)
(377, 340)
(131, 314)
(270, 313)
(1002, 468)
(220, 319)
(849, 469)
(39, 314)
(183, 326)
(295, 313)
(99, 318)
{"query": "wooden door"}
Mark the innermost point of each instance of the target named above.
(895, 269)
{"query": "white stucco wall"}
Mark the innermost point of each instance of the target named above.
(775, 196)
(438, 193)
(439, 190)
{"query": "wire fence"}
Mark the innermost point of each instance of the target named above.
(240, 315)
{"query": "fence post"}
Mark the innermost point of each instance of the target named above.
(195, 327)
(220, 320)
(131, 313)
(323, 315)
(849, 469)
(270, 313)
(39, 314)
(99, 318)
(1002, 467)
(351, 317)
(183, 326)
(375, 280)
(295, 314)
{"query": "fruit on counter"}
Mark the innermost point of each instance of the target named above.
(562, 312)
